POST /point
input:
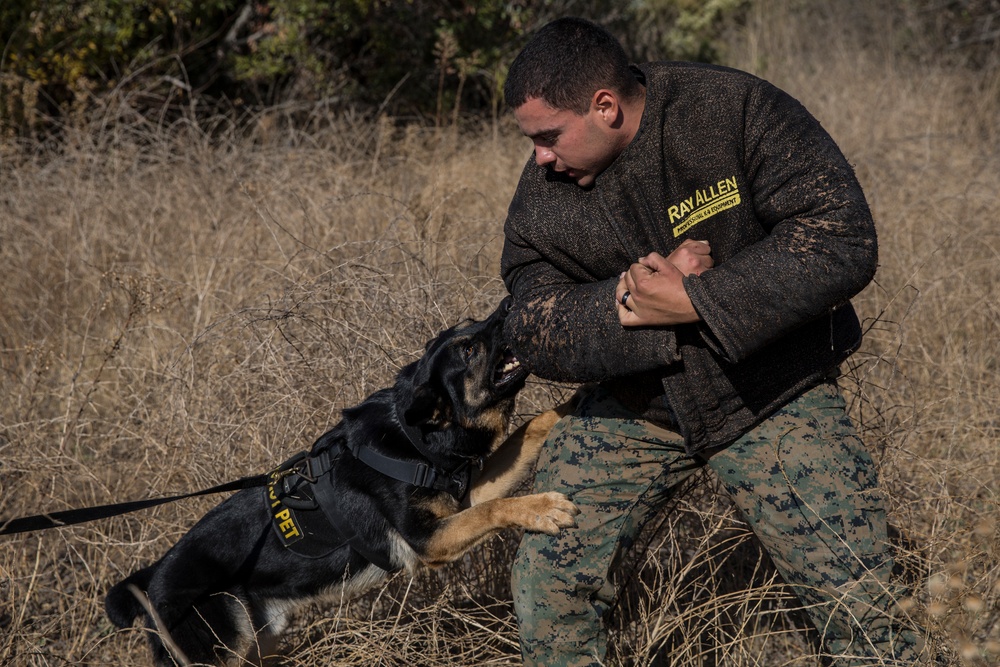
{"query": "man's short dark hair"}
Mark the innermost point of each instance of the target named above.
(565, 63)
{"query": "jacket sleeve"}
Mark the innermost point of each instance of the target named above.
(567, 329)
(820, 249)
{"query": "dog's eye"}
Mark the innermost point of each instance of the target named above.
(469, 351)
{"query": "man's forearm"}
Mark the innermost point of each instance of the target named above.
(572, 334)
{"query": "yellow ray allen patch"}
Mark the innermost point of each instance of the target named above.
(703, 204)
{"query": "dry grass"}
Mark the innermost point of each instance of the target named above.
(179, 310)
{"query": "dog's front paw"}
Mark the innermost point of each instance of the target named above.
(549, 512)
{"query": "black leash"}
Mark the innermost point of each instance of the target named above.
(71, 517)
(455, 482)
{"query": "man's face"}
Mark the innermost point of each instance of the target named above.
(578, 146)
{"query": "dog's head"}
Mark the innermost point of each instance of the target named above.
(467, 379)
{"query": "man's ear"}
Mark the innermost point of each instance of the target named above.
(605, 104)
(427, 408)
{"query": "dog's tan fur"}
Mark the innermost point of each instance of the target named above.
(490, 507)
(514, 460)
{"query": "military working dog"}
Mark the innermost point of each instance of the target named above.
(416, 474)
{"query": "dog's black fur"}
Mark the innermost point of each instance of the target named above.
(229, 582)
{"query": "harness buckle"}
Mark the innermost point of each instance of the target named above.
(423, 475)
(289, 467)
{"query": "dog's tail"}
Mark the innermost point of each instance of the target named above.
(121, 604)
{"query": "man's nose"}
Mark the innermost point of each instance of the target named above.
(544, 155)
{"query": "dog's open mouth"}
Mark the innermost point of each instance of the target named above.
(508, 370)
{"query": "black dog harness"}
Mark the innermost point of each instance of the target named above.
(304, 504)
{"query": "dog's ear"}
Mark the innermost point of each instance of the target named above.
(428, 408)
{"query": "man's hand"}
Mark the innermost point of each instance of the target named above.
(655, 289)
(692, 257)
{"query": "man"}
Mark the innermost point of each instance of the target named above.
(717, 348)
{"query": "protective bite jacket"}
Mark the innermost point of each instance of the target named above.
(723, 156)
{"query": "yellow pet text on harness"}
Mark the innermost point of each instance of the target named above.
(286, 524)
(284, 519)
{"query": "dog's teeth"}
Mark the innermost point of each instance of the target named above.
(510, 366)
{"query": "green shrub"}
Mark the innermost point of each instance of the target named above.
(417, 59)
(62, 58)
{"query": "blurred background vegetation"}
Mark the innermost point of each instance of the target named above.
(432, 61)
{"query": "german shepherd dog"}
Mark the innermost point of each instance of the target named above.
(395, 485)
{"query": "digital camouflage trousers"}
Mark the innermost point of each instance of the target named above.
(802, 480)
